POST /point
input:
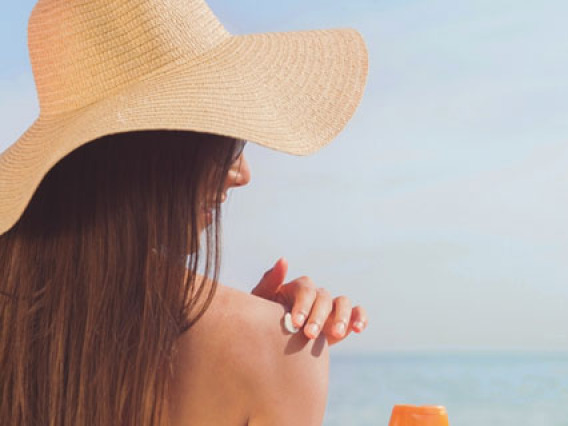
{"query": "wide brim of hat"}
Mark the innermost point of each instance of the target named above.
(288, 91)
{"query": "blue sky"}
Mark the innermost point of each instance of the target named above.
(441, 207)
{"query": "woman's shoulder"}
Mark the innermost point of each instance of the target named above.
(239, 362)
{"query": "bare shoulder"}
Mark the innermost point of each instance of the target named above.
(238, 361)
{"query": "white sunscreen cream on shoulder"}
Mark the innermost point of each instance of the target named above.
(288, 324)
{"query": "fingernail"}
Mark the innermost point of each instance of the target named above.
(313, 329)
(358, 325)
(340, 328)
(299, 319)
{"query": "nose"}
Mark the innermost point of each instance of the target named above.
(239, 173)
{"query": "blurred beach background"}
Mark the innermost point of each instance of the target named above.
(441, 207)
(477, 389)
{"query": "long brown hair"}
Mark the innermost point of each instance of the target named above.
(100, 276)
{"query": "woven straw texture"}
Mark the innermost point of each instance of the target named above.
(111, 66)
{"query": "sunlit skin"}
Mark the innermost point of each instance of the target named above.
(312, 308)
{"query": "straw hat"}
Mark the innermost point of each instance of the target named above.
(104, 67)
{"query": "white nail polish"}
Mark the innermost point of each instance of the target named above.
(300, 318)
(313, 329)
(340, 328)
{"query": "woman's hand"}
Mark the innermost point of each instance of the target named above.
(312, 308)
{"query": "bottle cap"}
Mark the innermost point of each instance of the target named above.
(412, 415)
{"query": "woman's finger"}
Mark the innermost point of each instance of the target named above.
(302, 293)
(320, 312)
(271, 281)
(359, 319)
(341, 316)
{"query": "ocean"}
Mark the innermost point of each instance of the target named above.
(502, 389)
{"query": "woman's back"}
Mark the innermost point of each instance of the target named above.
(239, 366)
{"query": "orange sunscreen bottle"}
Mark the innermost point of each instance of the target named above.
(412, 415)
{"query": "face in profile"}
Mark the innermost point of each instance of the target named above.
(238, 175)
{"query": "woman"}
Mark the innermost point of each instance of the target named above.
(105, 319)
